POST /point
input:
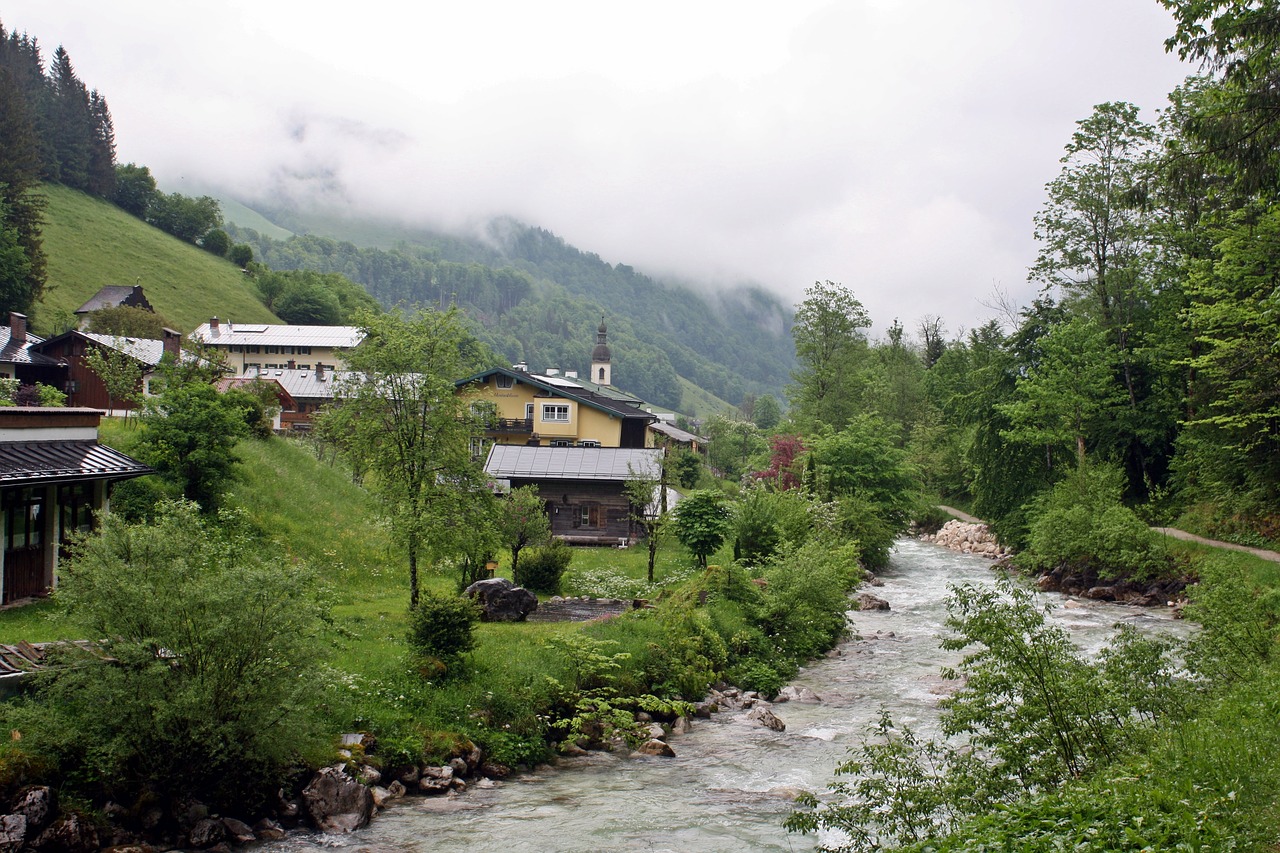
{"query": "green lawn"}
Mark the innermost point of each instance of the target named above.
(91, 243)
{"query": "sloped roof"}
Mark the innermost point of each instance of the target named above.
(674, 432)
(20, 352)
(262, 334)
(303, 384)
(31, 462)
(149, 352)
(572, 463)
(601, 397)
(112, 296)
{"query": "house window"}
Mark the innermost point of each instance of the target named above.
(75, 508)
(588, 442)
(505, 381)
(557, 413)
(528, 411)
(560, 442)
(591, 515)
(24, 527)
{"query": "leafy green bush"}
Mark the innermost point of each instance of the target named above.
(1081, 524)
(209, 684)
(541, 568)
(443, 626)
(806, 597)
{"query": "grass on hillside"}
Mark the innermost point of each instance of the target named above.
(696, 402)
(91, 243)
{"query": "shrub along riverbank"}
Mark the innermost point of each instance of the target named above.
(192, 707)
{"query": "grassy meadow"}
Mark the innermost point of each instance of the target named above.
(91, 243)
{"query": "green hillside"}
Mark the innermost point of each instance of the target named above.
(91, 243)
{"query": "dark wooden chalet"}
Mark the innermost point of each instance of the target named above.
(82, 386)
(54, 475)
(583, 488)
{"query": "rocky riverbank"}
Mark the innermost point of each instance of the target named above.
(968, 538)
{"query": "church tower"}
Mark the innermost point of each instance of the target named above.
(601, 370)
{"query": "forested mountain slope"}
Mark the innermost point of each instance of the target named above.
(536, 298)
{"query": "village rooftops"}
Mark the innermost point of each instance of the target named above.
(225, 334)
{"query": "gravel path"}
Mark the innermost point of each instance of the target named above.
(1273, 556)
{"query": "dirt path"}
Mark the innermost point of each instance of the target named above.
(1230, 546)
(1262, 553)
(963, 516)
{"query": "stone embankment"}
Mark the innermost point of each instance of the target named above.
(968, 538)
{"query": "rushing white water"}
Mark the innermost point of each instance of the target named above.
(732, 782)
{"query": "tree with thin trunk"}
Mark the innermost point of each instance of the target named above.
(121, 373)
(647, 498)
(522, 523)
(411, 431)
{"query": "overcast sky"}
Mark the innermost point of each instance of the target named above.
(899, 147)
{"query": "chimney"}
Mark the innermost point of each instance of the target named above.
(172, 343)
(571, 374)
(17, 327)
(319, 372)
(213, 327)
(553, 371)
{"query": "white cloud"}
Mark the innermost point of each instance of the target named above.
(899, 147)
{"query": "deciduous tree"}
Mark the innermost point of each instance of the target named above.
(412, 431)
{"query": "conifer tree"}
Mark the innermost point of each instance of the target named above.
(19, 206)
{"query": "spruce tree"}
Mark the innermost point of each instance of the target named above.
(20, 207)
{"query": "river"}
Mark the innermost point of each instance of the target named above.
(731, 783)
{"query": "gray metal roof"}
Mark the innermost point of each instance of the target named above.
(303, 384)
(674, 432)
(145, 350)
(31, 462)
(572, 463)
(260, 334)
(20, 352)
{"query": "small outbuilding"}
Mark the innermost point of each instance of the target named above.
(54, 475)
(583, 488)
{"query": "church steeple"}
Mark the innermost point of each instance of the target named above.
(601, 369)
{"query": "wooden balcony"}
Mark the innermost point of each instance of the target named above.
(506, 426)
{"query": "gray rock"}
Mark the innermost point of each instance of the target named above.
(502, 601)
(369, 775)
(336, 802)
(268, 830)
(13, 833)
(766, 718)
(395, 790)
(656, 747)
(207, 832)
(867, 601)
(36, 803)
(70, 834)
(238, 831)
(791, 693)
(681, 726)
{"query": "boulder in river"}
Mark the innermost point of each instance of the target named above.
(766, 718)
(336, 802)
(792, 693)
(867, 601)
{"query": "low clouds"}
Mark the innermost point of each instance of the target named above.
(898, 147)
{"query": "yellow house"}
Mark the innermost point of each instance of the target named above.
(557, 410)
